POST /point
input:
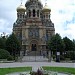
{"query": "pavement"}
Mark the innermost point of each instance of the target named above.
(36, 65)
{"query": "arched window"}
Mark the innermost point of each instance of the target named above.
(49, 16)
(33, 12)
(29, 13)
(44, 16)
(23, 16)
(37, 13)
(20, 15)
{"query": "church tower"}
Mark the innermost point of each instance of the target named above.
(34, 8)
(33, 26)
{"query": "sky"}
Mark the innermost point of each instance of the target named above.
(62, 15)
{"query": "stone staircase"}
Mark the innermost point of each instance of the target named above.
(33, 56)
(34, 59)
(34, 53)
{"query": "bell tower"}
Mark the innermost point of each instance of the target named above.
(21, 11)
(34, 8)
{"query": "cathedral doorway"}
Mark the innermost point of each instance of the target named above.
(34, 47)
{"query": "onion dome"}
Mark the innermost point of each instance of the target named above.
(39, 0)
(21, 8)
(46, 8)
(33, 0)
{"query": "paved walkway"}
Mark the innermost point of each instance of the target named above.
(36, 65)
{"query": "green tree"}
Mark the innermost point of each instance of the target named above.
(2, 42)
(68, 44)
(69, 47)
(56, 44)
(13, 45)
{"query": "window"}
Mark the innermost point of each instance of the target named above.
(37, 13)
(44, 16)
(49, 16)
(33, 13)
(29, 13)
(20, 15)
(34, 32)
(23, 16)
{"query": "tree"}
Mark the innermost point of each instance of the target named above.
(2, 42)
(68, 44)
(56, 44)
(13, 45)
(69, 47)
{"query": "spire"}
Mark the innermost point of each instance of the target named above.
(21, 2)
(46, 8)
(21, 7)
(45, 2)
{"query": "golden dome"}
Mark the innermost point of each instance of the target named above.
(39, 0)
(21, 8)
(46, 8)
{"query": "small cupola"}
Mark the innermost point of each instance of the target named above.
(46, 8)
(21, 8)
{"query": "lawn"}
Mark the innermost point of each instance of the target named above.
(4, 71)
(61, 69)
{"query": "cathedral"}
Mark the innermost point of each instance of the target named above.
(33, 26)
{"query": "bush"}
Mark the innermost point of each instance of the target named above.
(62, 57)
(4, 54)
(10, 58)
(54, 56)
(72, 56)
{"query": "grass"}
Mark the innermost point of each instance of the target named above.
(61, 69)
(4, 71)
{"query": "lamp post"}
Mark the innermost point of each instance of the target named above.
(57, 54)
(58, 57)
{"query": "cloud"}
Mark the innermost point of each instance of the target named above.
(70, 31)
(4, 26)
(62, 15)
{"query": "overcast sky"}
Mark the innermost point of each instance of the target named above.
(62, 15)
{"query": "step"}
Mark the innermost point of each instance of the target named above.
(34, 58)
(34, 53)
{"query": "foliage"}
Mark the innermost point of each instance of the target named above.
(69, 48)
(39, 72)
(4, 54)
(4, 71)
(53, 56)
(62, 57)
(69, 45)
(2, 42)
(72, 55)
(13, 45)
(56, 44)
(60, 69)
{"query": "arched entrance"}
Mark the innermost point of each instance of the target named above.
(34, 45)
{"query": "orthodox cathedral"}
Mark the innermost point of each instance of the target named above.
(33, 26)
